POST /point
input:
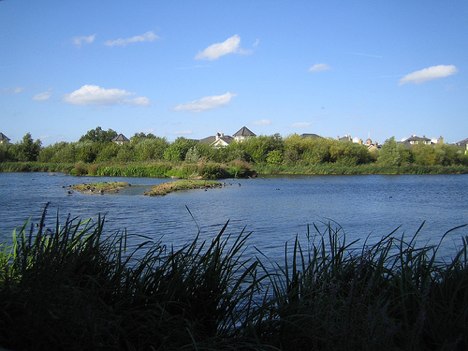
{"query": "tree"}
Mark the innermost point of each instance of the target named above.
(99, 135)
(393, 154)
(28, 149)
(178, 149)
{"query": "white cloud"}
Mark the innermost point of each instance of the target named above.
(215, 51)
(319, 67)
(206, 103)
(42, 96)
(15, 90)
(78, 41)
(95, 95)
(262, 122)
(301, 124)
(146, 37)
(139, 101)
(429, 73)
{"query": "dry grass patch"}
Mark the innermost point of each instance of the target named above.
(178, 185)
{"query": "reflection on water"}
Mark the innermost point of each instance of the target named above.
(274, 209)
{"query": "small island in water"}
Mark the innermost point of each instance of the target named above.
(156, 190)
(100, 187)
(182, 184)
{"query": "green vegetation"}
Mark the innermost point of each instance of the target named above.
(149, 156)
(101, 187)
(75, 287)
(180, 185)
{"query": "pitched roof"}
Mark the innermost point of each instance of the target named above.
(120, 137)
(245, 132)
(416, 138)
(462, 142)
(207, 140)
(311, 135)
(3, 137)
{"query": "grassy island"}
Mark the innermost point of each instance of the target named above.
(100, 187)
(182, 184)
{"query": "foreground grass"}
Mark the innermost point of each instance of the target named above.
(181, 185)
(74, 287)
(100, 187)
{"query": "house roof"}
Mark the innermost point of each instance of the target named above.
(207, 140)
(245, 132)
(311, 135)
(416, 138)
(462, 142)
(3, 137)
(120, 137)
(213, 139)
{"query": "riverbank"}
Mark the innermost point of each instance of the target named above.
(71, 286)
(211, 170)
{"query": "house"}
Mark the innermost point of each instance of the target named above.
(243, 134)
(415, 140)
(218, 140)
(372, 146)
(345, 138)
(311, 136)
(464, 145)
(4, 139)
(120, 139)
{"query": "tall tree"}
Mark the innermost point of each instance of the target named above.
(28, 149)
(99, 135)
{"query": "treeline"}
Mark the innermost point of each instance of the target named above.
(96, 146)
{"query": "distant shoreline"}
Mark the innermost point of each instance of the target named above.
(212, 170)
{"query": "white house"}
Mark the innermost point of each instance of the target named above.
(243, 134)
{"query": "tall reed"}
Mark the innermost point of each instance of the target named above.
(74, 286)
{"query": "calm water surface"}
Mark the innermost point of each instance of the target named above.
(274, 209)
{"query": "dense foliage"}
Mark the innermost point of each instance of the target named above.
(72, 286)
(263, 152)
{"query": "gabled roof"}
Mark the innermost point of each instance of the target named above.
(244, 132)
(120, 137)
(416, 138)
(311, 135)
(462, 142)
(3, 137)
(207, 140)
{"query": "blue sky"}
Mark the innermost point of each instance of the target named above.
(193, 68)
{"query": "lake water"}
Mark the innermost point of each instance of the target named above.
(274, 209)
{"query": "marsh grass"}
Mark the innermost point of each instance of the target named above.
(100, 187)
(73, 286)
(182, 185)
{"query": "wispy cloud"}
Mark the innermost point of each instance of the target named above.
(301, 124)
(14, 90)
(429, 73)
(262, 122)
(319, 67)
(215, 51)
(95, 95)
(42, 96)
(146, 37)
(79, 41)
(206, 103)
